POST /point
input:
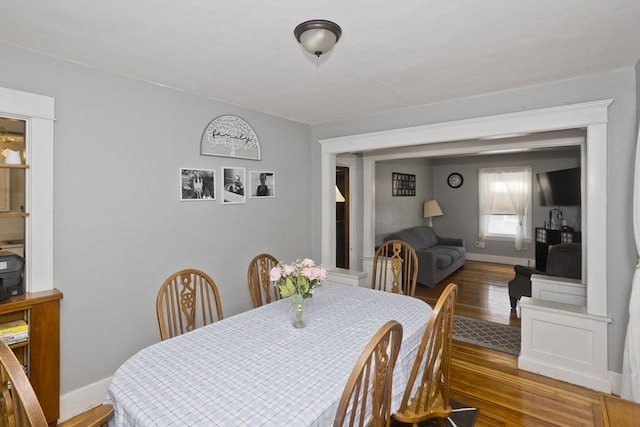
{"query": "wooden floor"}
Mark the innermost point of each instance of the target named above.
(482, 292)
(491, 380)
(507, 396)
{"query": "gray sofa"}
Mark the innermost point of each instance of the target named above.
(438, 257)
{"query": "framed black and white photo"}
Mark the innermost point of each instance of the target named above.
(197, 184)
(403, 184)
(263, 184)
(233, 185)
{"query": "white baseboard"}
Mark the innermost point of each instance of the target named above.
(573, 377)
(498, 259)
(616, 382)
(77, 401)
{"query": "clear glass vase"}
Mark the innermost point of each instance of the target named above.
(298, 311)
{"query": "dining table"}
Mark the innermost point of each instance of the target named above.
(256, 369)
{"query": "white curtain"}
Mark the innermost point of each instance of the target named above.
(519, 190)
(505, 192)
(631, 355)
(487, 198)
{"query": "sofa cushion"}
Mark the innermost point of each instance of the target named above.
(445, 256)
(454, 251)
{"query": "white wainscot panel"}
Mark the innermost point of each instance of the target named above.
(563, 341)
(569, 342)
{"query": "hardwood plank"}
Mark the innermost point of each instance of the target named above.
(617, 412)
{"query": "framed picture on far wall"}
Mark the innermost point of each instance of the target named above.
(263, 184)
(403, 184)
(197, 184)
(233, 185)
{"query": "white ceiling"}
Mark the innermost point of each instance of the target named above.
(392, 54)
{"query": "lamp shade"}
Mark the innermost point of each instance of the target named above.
(318, 36)
(431, 209)
(339, 197)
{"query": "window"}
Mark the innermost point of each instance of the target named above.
(505, 204)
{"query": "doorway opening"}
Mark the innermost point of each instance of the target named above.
(342, 217)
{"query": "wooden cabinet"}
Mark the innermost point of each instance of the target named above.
(40, 355)
(546, 237)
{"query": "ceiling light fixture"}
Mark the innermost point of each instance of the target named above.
(318, 36)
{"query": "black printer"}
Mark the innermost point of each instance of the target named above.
(11, 275)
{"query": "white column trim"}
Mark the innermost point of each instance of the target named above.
(594, 241)
(328, 212)
(368, 208)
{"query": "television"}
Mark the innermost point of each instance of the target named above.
(559, 188)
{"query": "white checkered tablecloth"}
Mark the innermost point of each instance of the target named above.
(255, 369)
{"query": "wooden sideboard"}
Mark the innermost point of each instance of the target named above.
(40, 354)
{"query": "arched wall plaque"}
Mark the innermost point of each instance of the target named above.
(230, 136)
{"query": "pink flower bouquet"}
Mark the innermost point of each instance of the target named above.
(299, 277)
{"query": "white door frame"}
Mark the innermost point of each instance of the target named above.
(38, 113)
(349, 161)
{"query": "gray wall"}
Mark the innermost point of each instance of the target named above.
(119, 226)
(620, 85)
(394, 213)
(461, 205)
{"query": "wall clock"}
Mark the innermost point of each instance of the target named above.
(455, 180)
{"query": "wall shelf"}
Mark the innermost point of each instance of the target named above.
(6, 166)
(13, 214)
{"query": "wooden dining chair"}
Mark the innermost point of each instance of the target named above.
(366, 399)
(260, 286)
(19, 405)
(427, 392)
(187, 300)
(395, 263)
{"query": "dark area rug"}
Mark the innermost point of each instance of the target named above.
(486, 334)
(461, 416)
